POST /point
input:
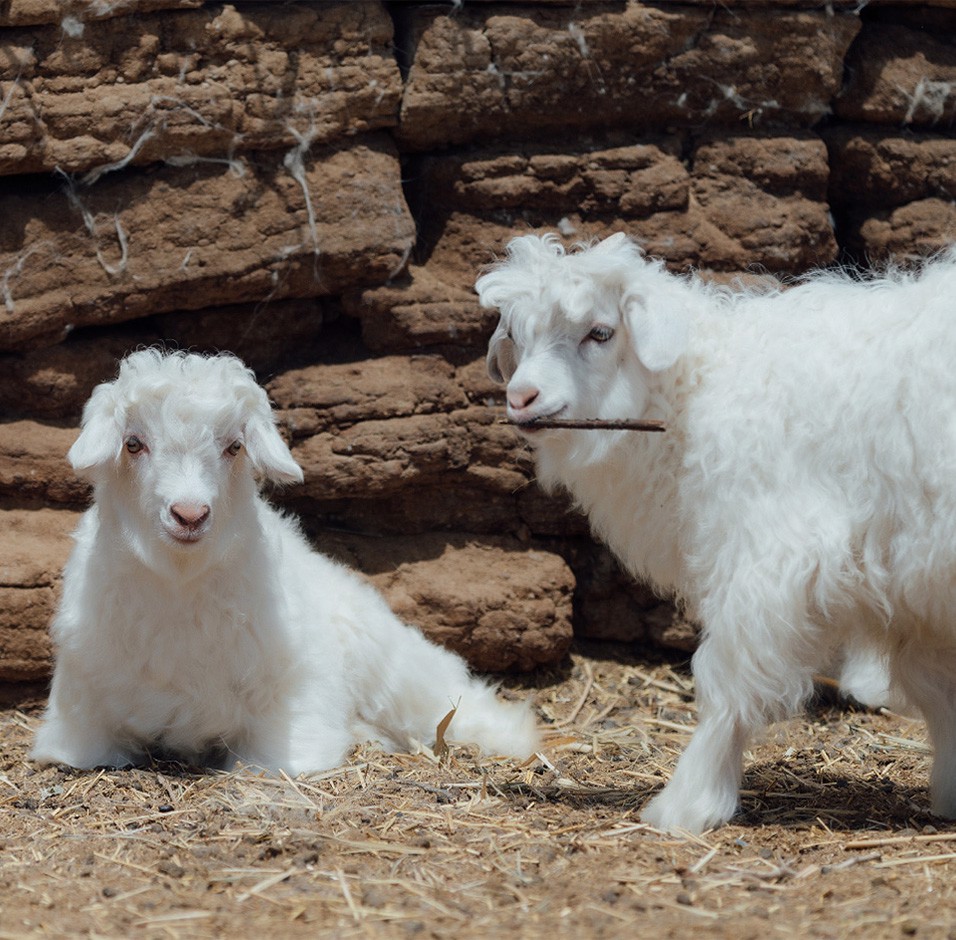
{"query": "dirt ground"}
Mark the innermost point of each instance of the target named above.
(834, 839)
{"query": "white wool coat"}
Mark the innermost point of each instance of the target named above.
(197, 622)
(802, 498)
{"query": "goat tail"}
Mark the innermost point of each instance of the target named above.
(419, 684)
(498, 727)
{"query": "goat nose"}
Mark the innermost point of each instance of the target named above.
(521, 398)
(189, 515)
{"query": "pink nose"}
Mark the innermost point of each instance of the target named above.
(521, 398)
(189, 515)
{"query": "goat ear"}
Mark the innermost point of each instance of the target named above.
(659, 334)
(270, 456)
(501, 356)
(101, 438)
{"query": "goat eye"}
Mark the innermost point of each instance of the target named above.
(234, 448)
(134, 445)
(600, 333)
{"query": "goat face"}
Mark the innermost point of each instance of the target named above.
(580, 333)
(173, 446)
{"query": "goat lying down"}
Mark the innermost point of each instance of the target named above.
(802, 499)
(196, 621)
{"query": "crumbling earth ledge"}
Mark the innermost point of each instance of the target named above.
(316, 185)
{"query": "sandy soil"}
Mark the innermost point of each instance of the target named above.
(834, 839)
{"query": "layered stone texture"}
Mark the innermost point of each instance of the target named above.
(177, 86)
(315, 186)
(532, 69)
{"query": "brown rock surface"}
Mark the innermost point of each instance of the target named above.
(896, 193)
(340, 395)
(902, 74)
(523, 70)
(76, 12)
(205, 83)
(501, 605)
(33, 464)
(54, 382)
(370, 428)
(594, 177)
(782, 182)
(186, 238)
(695, 127)
(910, 232)
(379, 458)
(34, 545)
(418, 311)
(611, 605)
(686, 210)
(868, 167)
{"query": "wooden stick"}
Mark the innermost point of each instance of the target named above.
(587, 424)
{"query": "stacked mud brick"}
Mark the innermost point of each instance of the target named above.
(314, 186)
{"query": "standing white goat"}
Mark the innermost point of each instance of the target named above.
(803, 497)
(195, 619)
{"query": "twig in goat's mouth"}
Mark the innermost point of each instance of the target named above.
(587, 424)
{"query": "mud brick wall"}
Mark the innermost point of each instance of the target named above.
(315, 185)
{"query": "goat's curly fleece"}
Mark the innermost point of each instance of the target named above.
(196, 620)
(803, 498)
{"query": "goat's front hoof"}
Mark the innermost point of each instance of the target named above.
(671, 812)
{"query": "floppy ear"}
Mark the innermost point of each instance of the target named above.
(658, 331)
(101, 438)
(270, 456)
(501, 356)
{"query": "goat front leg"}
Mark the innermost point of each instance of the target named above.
(79, 738)
(751, 669)
(703, 791)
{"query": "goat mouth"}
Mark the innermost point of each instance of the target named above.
(185, 537)
(530, 425)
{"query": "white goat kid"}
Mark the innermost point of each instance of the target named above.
(195, 619)
(802, 499)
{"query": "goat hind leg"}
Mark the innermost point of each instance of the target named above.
(422, 682)
(928, 677)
